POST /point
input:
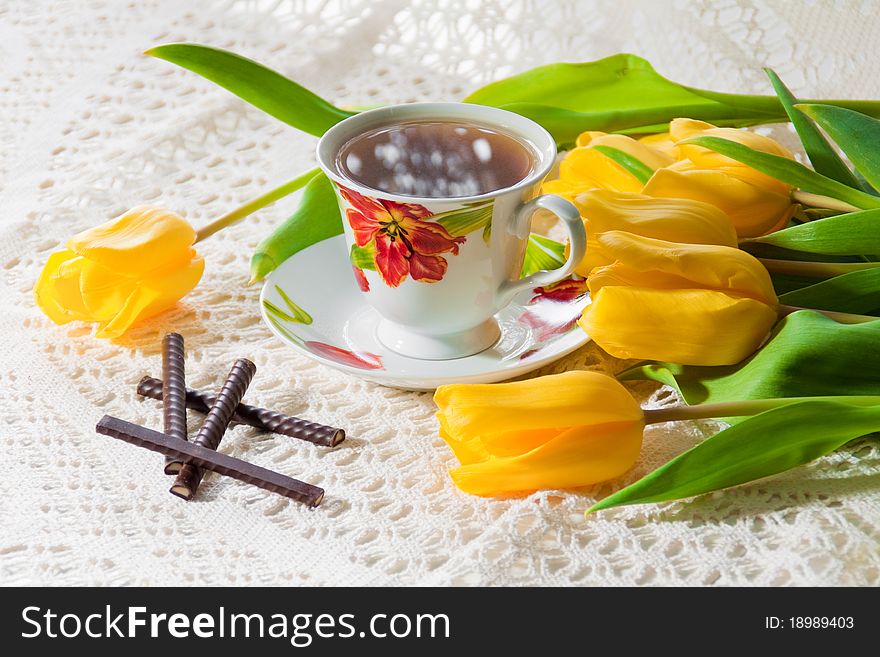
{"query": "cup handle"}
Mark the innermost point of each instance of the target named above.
(569, 214)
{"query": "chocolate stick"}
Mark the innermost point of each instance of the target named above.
(253, 416)
(208, 459)
(212, 429)
(173, 394)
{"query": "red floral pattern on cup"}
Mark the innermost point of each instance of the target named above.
(361, 279)
(362, 360)
(405, 243)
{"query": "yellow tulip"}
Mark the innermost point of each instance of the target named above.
(752, 210)
(677, 220)
(693, 304)
(122, 271)
(585, 168)
(559, 431)
(703, 158)
(756, 203)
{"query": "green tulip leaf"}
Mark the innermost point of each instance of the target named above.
(864, 184)
(857, 135)
(316, 219)
(787, 171)
(765, 251)
(855, 292)
(623, 93)
(783, 283)
(258, 85)
(766, 444)
(465, 220)
(855, 233)
(823, 157)
(618, 83)
(811, 214)
(542, 253)
(807, 355)
(638, 169)
(565, 125)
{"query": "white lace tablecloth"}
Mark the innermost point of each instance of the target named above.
(90, 127)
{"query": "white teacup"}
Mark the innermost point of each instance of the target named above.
(485, 243)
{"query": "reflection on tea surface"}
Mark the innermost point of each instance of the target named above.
(435, 159)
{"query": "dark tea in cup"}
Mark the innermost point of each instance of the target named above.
(436, 159)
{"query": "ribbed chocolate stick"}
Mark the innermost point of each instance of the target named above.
(253, 416)
(208, 459)
(218, 418)
(173, 394)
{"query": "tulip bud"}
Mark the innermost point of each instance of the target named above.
(585, 168)
(559, 431)
(692, 304)
(674, 220)
(755, 202)
(122, 271)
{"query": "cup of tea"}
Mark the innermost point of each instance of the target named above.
(436, 202)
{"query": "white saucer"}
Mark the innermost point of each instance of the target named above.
(312, 302)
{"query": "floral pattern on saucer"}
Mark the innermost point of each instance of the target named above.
(552, 311)
(281, 320)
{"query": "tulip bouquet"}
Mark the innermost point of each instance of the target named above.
(742, 278)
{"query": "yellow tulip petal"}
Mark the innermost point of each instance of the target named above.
(567, 189)
(662, 142)
(580, 456)
(674, 219)
(560, 400)
(681, 165)
(704, 158)
(680, 129)
(466, 451)
(697, 265)
(160, 291)
(104, 292)
(590, 167)
(691, 327)
(752, 210)
(136, 242)
(650, 157)
(585, 138)
(618, 273)
(683, 128)
(514, 443)
(762, 180)
(738, 171)
(486, 447)
(57, 289)
(677, 220)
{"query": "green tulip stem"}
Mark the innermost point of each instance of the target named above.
(741, 408)
(815, 269)
(840, 318)
(819, 201)
(255, 204)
